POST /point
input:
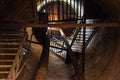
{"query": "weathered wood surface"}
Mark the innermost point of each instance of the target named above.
(103, 56)
(73, 25)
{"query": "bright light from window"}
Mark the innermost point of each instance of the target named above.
(73, 3)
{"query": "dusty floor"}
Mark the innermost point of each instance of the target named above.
(57, 69)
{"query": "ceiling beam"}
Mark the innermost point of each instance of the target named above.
(74, 25)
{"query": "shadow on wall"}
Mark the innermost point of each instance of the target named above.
(103, 55)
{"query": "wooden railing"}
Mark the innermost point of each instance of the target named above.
(17, 64)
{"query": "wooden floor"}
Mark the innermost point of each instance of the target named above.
(103, 59)
(106, 67)
(58, 70)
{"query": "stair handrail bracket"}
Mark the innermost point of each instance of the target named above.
(17, 64)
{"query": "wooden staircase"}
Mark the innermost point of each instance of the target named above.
(10, 39)
(77, 44)
(75, 41)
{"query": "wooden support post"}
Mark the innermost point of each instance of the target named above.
(68, 58)
(43, 63)
(83, 51)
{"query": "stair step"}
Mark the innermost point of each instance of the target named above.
(7, 54)
(7, 57)
(14, 43)
(10, 29)
(76, 46)
(9, 46)
(4, 72)
(5, 69)
(3, 79)
(5, 66)
(6, 60)
(11, 37)
(6, 63)
(8, 50)
(12, 32)
(88, 30)
(10, 40)
(81, 38)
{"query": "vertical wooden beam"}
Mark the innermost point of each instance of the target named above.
(43, 63)
(68, 58)
(83, 50)
(84, 34)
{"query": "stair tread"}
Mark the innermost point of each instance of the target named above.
(8, 54)
(5, 63)
(10, 43)
(4, 72)
(6, 60)
(10, 36)
(9, 39)
(8, 51)
(5, 69)
(3, 79)
(9, 48)
(5, 66)
(13, 32)
(9, 57)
